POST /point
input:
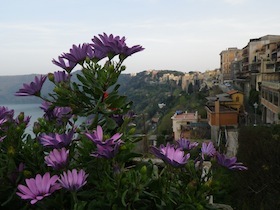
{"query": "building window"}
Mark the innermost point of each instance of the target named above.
(275, 99)
(270, 97)
(266, 95)
(237, 99)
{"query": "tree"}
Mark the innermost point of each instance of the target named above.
(190, 88)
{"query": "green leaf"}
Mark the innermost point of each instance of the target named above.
(123, 197)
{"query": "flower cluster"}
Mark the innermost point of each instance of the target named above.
(101, 47)
(42, 186)
(175, 155)
(82, 154)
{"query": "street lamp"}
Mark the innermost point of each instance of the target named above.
(255, 106)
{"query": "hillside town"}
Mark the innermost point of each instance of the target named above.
(255, 67)
(249, 79)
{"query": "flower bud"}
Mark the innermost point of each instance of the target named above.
(111, 68)
(143, 170)
(51, 77)
(18, 129)
(123, 68)
(27, 173)
(11, 151)
(122, 57)
(21, 117)
(36, 145)
(36, 128)
(122, 147)
(75, 117)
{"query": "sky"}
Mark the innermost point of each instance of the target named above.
(182, 35)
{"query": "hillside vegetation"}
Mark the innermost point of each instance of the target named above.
(145, 90)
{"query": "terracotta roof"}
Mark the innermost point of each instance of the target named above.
(233, 91)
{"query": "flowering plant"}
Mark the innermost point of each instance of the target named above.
(81, 155)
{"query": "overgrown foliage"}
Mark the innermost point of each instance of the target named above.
(259, 187)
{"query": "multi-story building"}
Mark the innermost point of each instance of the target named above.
(227, 57)
(255, 57)
(258, 68)
(269, 82)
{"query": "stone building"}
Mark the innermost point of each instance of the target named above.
(181, 124)
(226, 58)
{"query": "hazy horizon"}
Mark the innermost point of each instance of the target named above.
(181, 35)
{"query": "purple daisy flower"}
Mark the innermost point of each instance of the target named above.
(230, 163)
(108, 151)
(6, 114)
(171, 155)
(73, 180)
(55, 140)
(38, 188)
(60, 76)
(62, 112)
(105, 148)
(67, 66)
(34, 88)
(47, 108)
(2, 121)
(186, 144)
(128, 51)
(56, 113)
(78, 53)
(208, 149)
(114, 45)
(57, 158)
(97, 137)
(97, 55)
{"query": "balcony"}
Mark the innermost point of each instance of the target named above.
(254, 67)
(271, 79)
(245, 52)
(242, 75)
(272, 85)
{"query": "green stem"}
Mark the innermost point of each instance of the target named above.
(75, 199)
